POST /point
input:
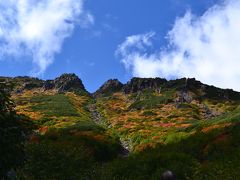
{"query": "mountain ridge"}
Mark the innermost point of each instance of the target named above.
(165, 125)
(70, 81)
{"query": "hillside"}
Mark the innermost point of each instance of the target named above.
(136, 130)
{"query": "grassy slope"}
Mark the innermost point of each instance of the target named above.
(212, 152)
(150, 119)
(179, 139)
(162, 137)
(67, 142)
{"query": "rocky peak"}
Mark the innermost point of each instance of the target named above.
(139, 84)
(110, 86)
(64, 83)
(217, 93)
(68, 82)
(48, 84)
(211, 91)
(189, 89)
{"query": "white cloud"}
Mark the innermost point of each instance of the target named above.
(38, 28)
(87, 19)
(205, 47)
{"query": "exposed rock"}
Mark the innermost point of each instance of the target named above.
(32, 85)
(184, 84)
(168, 175)
(68, 82)
(96, 115)
(189, 89)
(48, 84)
(18, 91)
(139, 84)
(186, 90)
(217, 93)
(184, 97)
(109, 87)
(125, 148)
(27, 83)
(64, 83)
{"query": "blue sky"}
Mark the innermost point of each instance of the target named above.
(89, 43)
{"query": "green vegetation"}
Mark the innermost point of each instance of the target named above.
(200, 156)
(11, 133)
(57, 161)
(213, 155)
(55, 105)
(192, 131)
(148, 100)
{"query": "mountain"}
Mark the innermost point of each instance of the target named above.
(64, 83)
(135, 130)
(109, 87)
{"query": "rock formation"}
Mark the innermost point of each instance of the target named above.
(139, 84)
(109, 87)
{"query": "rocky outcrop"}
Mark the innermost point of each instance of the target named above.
(217, 93)
(139, 84)
(48, 84)
(109, 87)
(26, 83)
(68, 82)
(187, 89)
(64, 83)
(133, 86)
(32, 85)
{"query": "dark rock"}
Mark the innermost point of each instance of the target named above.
(109, 87)
(184, 97)
(25, 82)
(168, 175)
(139, 84)
(68, 82)
(48, 84)
(189, 89)
(184, 84)
(32, 85)
(22, 78)
(11, 174)
(217, 93)
(18, 91)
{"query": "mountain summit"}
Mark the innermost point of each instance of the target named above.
(109, 87)
(64, 83)
(163, 124)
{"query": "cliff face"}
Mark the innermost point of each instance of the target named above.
(187, 89)
(109, 87)
(139, 84)
(64, 83)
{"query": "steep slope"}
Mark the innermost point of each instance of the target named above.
(108, 88)
(146, 111)
(135, 130)
(65, 142)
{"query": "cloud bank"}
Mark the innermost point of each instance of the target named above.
(206, 47)
(38, 28)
